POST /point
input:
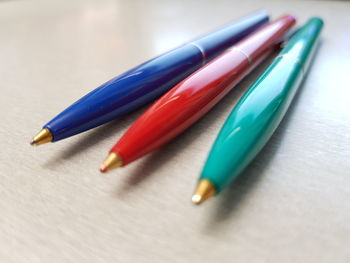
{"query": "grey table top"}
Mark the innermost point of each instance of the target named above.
(290, 205)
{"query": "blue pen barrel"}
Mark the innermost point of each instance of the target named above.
(127, 92)
(148, 81)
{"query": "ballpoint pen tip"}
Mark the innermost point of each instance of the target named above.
(204, 191)
(196, 199)
(42, 137)
(103, 168)
(111, 162)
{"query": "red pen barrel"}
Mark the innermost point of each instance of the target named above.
(189, 100)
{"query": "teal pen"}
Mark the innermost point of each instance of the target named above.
(258, 113)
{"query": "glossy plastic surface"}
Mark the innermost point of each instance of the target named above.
(148, 81)
(259, 112)
(193, 97)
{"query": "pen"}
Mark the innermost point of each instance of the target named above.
(189, 100)
(145, 82)
(258, 113)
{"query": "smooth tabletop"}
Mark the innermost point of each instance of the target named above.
(292, 204)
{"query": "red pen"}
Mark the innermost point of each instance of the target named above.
(189, 100)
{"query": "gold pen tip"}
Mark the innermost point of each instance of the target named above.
(44, 136)
(196, 199)
(204, 191)
(103, 168)
(112, 161)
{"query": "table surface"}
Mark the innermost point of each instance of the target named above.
(290, 205)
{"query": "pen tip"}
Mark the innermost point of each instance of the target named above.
(196, 199)
(103, 168)
(112, 161)
(205, 190)
(44, 136)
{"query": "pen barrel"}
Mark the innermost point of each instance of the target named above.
(147, 81)
(259, 112)
(188, 101)
(302, 47)
(127, 92)
(180, 107)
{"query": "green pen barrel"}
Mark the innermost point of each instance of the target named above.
(259, 112)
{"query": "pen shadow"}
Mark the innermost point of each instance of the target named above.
(233, 198)
(147, 167)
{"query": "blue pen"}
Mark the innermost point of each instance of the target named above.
(145, 82)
